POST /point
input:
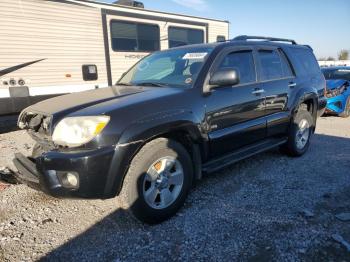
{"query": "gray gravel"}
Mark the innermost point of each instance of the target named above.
(267, 208)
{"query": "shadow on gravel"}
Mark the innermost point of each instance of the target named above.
(120, 236)
(102, 242)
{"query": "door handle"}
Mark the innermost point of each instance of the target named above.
(292, 84)
(258, 92)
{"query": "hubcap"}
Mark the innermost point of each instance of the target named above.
(303, 134)
(163, 182)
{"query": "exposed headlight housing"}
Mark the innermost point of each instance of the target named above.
(77, 131)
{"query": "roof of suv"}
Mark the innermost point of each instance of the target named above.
(252, 40)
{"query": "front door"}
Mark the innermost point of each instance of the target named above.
(235, 114)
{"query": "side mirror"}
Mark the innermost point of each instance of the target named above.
(224, 77)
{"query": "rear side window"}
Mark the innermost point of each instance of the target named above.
(307, 61)
(184, 36)
(270, 65)
(287, 70)
(134, 37)
(242, 61)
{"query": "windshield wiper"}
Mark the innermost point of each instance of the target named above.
(150, 84)
(124, 84)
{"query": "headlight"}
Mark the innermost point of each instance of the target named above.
(76, 131)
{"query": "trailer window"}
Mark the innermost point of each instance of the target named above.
(184, 36)
(134, 37)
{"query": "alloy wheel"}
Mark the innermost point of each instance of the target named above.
(303, 134)
(163, 182)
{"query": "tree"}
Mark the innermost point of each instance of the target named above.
(330, 58)
(343, 55)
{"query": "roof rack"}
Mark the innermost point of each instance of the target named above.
(272, 39)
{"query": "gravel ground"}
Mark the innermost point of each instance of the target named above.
(267, 208)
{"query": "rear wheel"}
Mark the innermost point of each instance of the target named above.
(300, 133)
(158, 181)
(346, 112)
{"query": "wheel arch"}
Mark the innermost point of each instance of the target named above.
(184, 131)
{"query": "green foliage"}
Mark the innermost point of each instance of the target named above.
(343, 55)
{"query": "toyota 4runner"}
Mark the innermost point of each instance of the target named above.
(173, 116)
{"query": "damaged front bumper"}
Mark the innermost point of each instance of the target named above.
(336, 104)
(337, 94)
(54, 172)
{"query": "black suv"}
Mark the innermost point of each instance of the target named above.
(173, 116)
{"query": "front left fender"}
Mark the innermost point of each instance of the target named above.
(142, 131)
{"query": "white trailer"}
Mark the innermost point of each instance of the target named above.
(52, 47)
(334, 63)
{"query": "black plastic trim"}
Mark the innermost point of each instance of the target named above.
(238, 128)
(241, 154)
(26, 168)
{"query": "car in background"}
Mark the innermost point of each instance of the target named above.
(338, 90)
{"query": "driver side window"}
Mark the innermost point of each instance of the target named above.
(243, 61)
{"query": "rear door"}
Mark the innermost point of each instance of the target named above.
(234, 114)
(277, 79)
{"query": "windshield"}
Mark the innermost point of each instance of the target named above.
(341, 73)
(177, 67)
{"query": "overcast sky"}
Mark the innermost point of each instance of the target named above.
(320, 23)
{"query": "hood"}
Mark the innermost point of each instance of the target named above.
(39, 116)
(76, 101)
(335, 83)
(43, 115)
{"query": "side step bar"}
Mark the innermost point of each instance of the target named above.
(241, 154)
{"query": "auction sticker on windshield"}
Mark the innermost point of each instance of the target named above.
(196, 56)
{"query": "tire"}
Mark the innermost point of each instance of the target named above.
(299, 137)
(346, 112)
(142, 179)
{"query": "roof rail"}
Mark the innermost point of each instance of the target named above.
(272, 39)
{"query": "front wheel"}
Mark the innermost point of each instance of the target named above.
(158, 181)
(300, 133)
